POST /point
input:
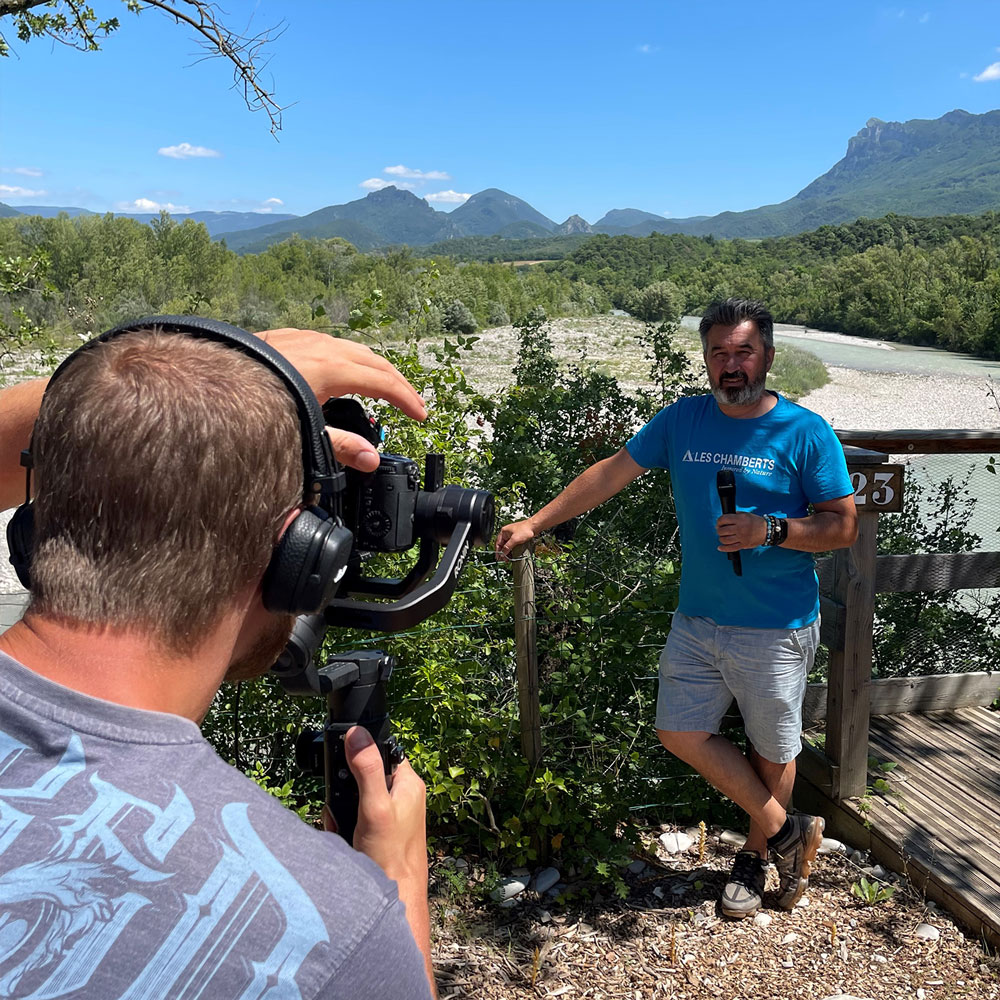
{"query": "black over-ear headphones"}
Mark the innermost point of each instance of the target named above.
(312, 555)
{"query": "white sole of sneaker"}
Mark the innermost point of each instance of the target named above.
(808, 857)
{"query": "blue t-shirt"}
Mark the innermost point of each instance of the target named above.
(782, 461)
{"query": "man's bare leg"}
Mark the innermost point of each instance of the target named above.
(779, 780)
(721, 764)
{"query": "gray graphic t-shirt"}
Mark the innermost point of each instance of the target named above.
(135, 863)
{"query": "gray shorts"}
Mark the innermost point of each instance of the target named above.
(704, 666)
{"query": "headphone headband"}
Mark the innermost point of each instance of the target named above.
(309, 561)
(318, 464)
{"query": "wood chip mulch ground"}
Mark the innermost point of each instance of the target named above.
(668, 939)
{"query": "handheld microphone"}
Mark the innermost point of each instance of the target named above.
(725, 483)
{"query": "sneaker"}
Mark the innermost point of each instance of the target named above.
(745, 889)
(793, 857)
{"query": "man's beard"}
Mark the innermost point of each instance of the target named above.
(264, 652)
(742, 395)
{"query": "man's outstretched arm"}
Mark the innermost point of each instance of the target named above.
(590, 489)
(332, 367)
(18, 409)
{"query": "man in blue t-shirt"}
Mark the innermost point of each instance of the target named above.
(750, 635)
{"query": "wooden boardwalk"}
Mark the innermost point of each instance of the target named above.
(939, 823)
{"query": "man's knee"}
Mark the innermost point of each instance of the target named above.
(683, 744)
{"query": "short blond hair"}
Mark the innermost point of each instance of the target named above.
(164, 467)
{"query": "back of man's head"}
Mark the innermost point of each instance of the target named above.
(164, 467)
(732, 312)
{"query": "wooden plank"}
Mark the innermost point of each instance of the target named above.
(956, 729)
(848, 691)
(815, 767)
(949, 808)
(922, 442)
(899, 695)
(948, 753)
(937, 571)
(936, 692)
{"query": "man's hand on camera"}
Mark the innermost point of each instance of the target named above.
(335, 367)
(511, 537)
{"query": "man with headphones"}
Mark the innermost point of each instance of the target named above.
(181, 520)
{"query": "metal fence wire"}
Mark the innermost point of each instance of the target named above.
(951, 504)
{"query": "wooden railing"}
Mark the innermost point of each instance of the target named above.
(849, 581)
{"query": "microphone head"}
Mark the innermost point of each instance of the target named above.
(725, 479)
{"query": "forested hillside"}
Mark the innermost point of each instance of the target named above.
(924, 281)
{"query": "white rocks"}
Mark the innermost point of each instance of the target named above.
(879, 959)
(876, 871)
(927, 932)
(830, 846)
(733, 838)
(675, 843)
(846, 996)
(804, 901)
(789, 938)
(762, 919)
(545, 879)
(787, 963)
(509, 888)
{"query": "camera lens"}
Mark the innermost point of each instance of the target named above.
(437, 513)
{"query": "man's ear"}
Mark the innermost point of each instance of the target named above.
(770, 358)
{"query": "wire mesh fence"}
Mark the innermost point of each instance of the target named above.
(952, 505)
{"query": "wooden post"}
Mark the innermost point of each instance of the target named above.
(527, 656)
(849, 694)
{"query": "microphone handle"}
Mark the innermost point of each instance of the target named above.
(729, 507)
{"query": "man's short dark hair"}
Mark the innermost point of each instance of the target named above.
(732, 312)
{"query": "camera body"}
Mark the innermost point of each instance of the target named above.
(385, 503)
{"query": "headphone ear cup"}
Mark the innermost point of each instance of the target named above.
(20, 542)
(307, 565)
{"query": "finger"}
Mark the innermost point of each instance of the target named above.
(369, 379)
(365, 762)
(353, 450)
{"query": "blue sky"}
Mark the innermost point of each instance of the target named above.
(677, 108)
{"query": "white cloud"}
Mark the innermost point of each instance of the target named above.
(273, 201)
(992, 72)
(377, 183)
(924, 18)
(185, 151)
(23, 171)
(646, 49)
(420, 175)
(148, 205)
(447, 197)
(6, 190)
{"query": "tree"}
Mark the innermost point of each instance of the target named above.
(74, 23)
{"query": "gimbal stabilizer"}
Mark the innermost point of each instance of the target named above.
(387, 511)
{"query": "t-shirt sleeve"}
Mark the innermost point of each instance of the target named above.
(648, 446)
(825, 468)
(386, 963)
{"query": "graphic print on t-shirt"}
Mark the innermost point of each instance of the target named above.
(84, 865)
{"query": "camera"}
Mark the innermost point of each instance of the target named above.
(386, 511)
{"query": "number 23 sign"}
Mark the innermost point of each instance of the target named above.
(878, 488)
